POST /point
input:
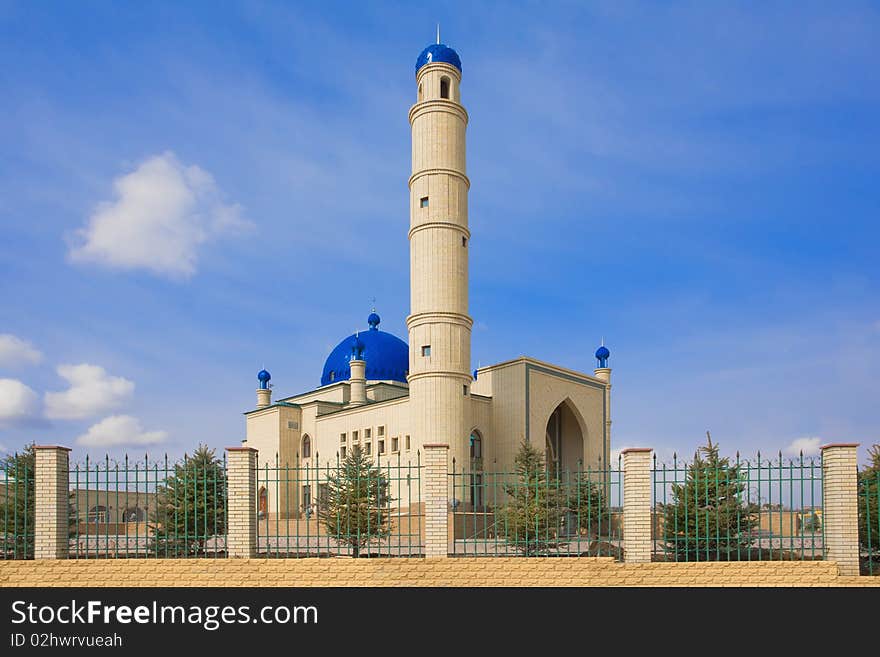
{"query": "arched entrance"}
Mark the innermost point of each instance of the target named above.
(564, 442)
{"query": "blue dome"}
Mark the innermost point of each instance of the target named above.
(373, 320)
(263, 377)
(387, 356)
(438, 52)
(602, 352)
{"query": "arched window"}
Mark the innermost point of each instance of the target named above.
(306, 446)
(420, 92)
(476, 445)
(262, 502)
(444, 87)
(98, 513)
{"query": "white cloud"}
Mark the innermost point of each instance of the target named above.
(17, 401)
(163, 213)
(92, 391)
(14, 351)
(119, 430)
(808, 445)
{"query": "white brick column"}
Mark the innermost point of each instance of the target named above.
(436, 487)
(637, 537)
(840, 506)
(241, 524)
(51, 535)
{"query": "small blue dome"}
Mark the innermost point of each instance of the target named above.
(263, 377)
(373, 320)
(438, 52)
(387, 356)
(602, 352)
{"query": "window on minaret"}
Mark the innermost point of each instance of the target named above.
(420, 93)
(444, 87)
(426, 350)
(464, 241)
(423, 202)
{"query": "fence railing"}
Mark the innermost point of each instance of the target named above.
(17, 497)
(148, 508)
(536, 512)
(869, 521)
(719, 509)
(364, 508)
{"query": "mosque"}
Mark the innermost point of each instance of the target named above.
(388, 397)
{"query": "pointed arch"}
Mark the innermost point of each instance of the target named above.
(565, 437)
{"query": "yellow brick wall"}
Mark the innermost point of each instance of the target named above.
(514, 571)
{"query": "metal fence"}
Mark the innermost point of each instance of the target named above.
(536, 512)
(720, 509)
(869, 521)
(362, 506)
(17, 496)
(148, 508)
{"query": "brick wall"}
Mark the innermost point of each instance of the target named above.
(461, 571)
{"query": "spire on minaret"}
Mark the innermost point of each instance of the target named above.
(438, 34)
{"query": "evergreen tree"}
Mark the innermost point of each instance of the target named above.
(708, 519)
(17, 514)
(190, 505)
(357, 507)
(587, 505)
(869, 506)
(530, 519)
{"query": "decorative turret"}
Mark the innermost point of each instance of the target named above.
(264, 391)
(358, 368)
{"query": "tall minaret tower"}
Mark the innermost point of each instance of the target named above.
(439, 324)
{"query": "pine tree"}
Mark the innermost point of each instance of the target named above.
(17, 514)
(586, 502)
(190, 506)
(869, 507)
(708, 519)
(530, 519)
(357, 507)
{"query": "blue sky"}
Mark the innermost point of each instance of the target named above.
(188, 193)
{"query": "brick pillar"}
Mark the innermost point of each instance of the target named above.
(840, 506)
(51, 490)
(436, 487)
(637, 539)
(241, 525)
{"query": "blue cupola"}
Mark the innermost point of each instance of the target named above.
(387, 355)
(602, 355)
(263, 377)
(438, 52)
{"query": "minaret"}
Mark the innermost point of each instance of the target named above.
(439, 324)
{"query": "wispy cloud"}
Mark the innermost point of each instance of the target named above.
(15, 352)
(164, 212)
(92, 391)
(809, 446)
(17, 401)
(119, 430)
